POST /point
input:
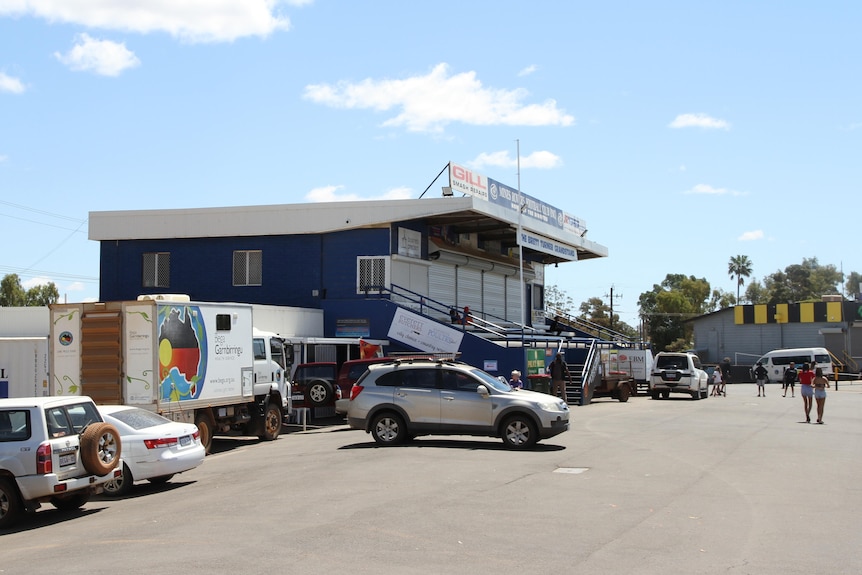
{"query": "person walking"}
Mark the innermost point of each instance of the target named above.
(559, 374)
(725, 374)
(760, 376)
(790, 380)
(820, 383)
(806, 376)
(716, 381)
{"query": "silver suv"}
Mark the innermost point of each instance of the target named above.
(678, 373)
(54, 449)
(403, 399)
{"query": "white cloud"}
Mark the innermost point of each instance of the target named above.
(542, 160)
(336, 194)
(10, 84)
(4, 159)
(75, 286)
(699, 121)
(428, 103)
(528, 70)
(707, 190)
(102, 57)
(191, 20)
(33, 282)
(751, 236)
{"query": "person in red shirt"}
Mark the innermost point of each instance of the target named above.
(806, 376)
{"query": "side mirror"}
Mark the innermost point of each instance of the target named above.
(482, 391)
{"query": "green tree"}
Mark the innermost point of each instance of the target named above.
(807, 281)
(756, 293)
(11, 292)
(595, 310)
(853, 284)
(41, 295)
(668, 305)
(558, 301)
(739, 267)
(721, 299)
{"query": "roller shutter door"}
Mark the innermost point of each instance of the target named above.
(494, 291)
(442, 286)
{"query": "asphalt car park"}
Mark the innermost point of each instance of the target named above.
(736, 484)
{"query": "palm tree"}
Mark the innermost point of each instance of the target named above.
(739, 267)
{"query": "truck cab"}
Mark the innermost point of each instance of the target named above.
(273, 360)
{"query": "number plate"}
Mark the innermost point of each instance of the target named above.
(68, 459)
(297, 397)
(185, 440)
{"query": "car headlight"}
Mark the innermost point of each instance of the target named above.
(558, 405)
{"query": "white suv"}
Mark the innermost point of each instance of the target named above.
(678, 373)
(55, 449)
(402, 399)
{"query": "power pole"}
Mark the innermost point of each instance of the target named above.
(611, 299)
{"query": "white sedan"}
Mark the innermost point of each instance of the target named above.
(154, 447)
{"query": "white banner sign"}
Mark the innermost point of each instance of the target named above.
(424, 334)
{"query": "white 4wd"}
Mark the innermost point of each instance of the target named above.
(678, 373)
(55, 449)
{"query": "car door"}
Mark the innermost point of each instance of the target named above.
(64, 440)
(461, 406)
(419, 396)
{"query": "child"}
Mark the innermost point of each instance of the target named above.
(515, 381)
(716, 381)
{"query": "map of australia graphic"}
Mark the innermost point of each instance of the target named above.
(182, 353)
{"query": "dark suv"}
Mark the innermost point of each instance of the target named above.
(320, 384)
(403, 399)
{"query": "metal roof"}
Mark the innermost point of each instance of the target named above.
(466, 214)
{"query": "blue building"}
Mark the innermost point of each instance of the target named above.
(366, 264)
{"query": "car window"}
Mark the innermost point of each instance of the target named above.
(490, 381)
(58, 422)
(390, 379)
(356, 371)
(821, 358)
(459, 381)
(259, 348)
(671, 362)
(696, 361)
(15, 425)
(81, 415)
(139, 418)
(316, 372)
(419, 378)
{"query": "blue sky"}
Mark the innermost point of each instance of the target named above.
(684, 133)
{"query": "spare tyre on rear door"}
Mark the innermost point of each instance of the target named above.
(100, 448)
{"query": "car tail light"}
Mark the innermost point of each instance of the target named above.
(44, 463)
(196, 435)
(355, 390)
(161, 442)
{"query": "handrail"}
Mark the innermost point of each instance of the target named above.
(588, 326)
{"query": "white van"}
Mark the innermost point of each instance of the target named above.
(777, 360)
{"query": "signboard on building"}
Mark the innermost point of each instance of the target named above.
(470, 182)
(423, 333)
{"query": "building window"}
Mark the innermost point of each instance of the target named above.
(372, 273)
(247, 267)
(157, 270)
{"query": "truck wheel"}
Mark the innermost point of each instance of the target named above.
(120, 485)
(388, 429)
(654, 394)
(206, 427)
(519, 432)
(10, 503)
(100, 448)
(319, 392)
(71, 502)
(624, 392)
(271, 422)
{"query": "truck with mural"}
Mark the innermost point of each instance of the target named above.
(195, 362)
(24, 367)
